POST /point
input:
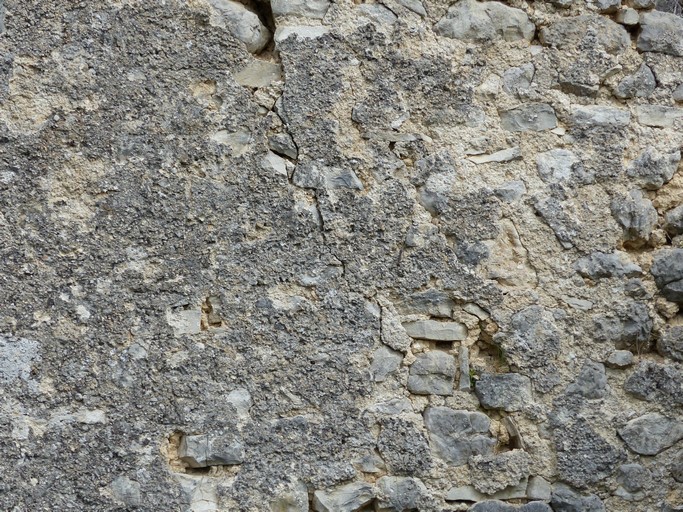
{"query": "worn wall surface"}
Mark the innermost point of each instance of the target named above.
(341, 256)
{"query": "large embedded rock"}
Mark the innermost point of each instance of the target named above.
(640, 84)
(566, 499)
(667, 270)
(599, 265)
(651, 433)
(432, 374)
(507, 391)
(653, 169)
(591, 382)
(305, 8)
(670, 342)
(656, 382)
(457, 435)
(494, 472)
(401, 494)
(661, 32)
(384, 362)
(529, 117)
(347, 498)
(469, 20)
(242, 23)
(636, 215)
(435, 330)
(200, 451)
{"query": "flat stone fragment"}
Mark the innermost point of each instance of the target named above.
(300, 31)
(651, 433)
(593, 30)
(315, 9)
(499, 506)
(414, 5)
(538, 488)
(507, 391)
(504, 155)
(126, 491)
(598, 115)
(566, 499)
(274, 164)
(558, 166)
(470, 493)
(464, 358)
(658, 116)
(432, 374)
(259, 73)
(348, 498)
(200, 451)
(600, 265)
(457, 435)
(529, 117)
(469, 20)
(436, 331)
(620, 359)
(640, 84)
(628, 17)
(384, 362)
(661, 32)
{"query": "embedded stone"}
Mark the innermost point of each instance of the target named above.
(651, 433)
(507, 391)
(658, 116)
(200, 451)
(457, 435)
(566, 499)
(436, 331)
(670, 342)
(242, 23)
(529, 117)
(600, 265)
(400, 494)
(640, 84)
(661, 32)
(620, 359)
(315, 9)
(667, 270)
(636, 215)
(652, 169)
(347, 498)
(385, 362)
(432, 373)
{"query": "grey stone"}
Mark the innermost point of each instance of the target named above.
(670, 342)
(469, 493)
(607, 6)
(126, 491)
(538, 488)
(673, 221)
(200, 451)
(294, 498)
(628, 17)
(16, 357)
(464, 359)
(642, 4)
(661, 32)
(274, 164)
(435, 330)
(347, 498)
(653, 169)
(259, 73)
(519, 78)
(393, 333)
(655, 382)
(469, 20)
(633, 477)
(559, 166)
(384, 362)
(504, 155)
(392, 406)
(677, 467)
(562, 4)
(565, 227)
(315, 9)
(677, 95)
(565, 499)
(511, 191)
(629, 327)
(599, 115)
(620, 359)
(507, 391)
(400, 494)
(658, 116)
(301, 32)
(651, 433)
(636, 215)
(590, 30)
(414, 5)
(599, 265)
(243, 23)
(432, 373)
(500, 506)
(640, 84)
(457, 435)
(529, 117)
(591, 382)
(667, 270)
(492, 473)
(282, 144)
(378, 13)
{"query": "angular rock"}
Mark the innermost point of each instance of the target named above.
(560, 166)
(436, 331)
(315, 9)
(518, 79)
(432, 373)
(347, 498)
(464, 358)
(504, 155)
(677, 95)
(633, 477)
(414, 5)
(661, 32)
(599, 115)
(670, 342)
(655, 382)
(469, 20)
(403, 447)
(599, 265)
(243, 23)
(570, 32)
(629, 327)
(507, 391)
(651, 433)
(591, 382)
(607, 6)
(628, 17)
(658, 116)
(300, 32)
(200, 451)
(640, 84)
(636, 215)
(565, 499)
(565, 227)
(384, 362)
(653, 169)
(673, 221)
(538, 488)
(469, 493)
(619, 359)
(457, 435)
(274, 164)
(400, 494)
(667, 270)
(499, 506)
(492, 473)
(529, 117)
(126, 491)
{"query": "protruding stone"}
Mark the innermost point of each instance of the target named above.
(432, 374)
(300, 31)
(658, 116)
(661, 32)
(348, 498)
(400, 494)
(126, 491)
(628, 17)
(565, 499)
(464, 358)
(667, 270)
(673, 221)
(633, 477)
(599, 115)
(656, 382)
(607, 6)
(457, 435)
(591, 382)
(414, 5)
(469, 20)
(677, 95)
(636, 214)
(620, 359)
(640, 84)
(315, 9)
(651, 433)
(436, 331)
(243, 23)
(492, 473)
(670, 342)
(470, 493)
(384, 362)
(538, 488)
(518, 79)
(601, 265)
(200, 451)
(507, 391)
(504, 155)
(529, 117)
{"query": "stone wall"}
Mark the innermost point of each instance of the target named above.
(341, 256)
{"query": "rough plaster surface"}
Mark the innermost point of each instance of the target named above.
(258, 256)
